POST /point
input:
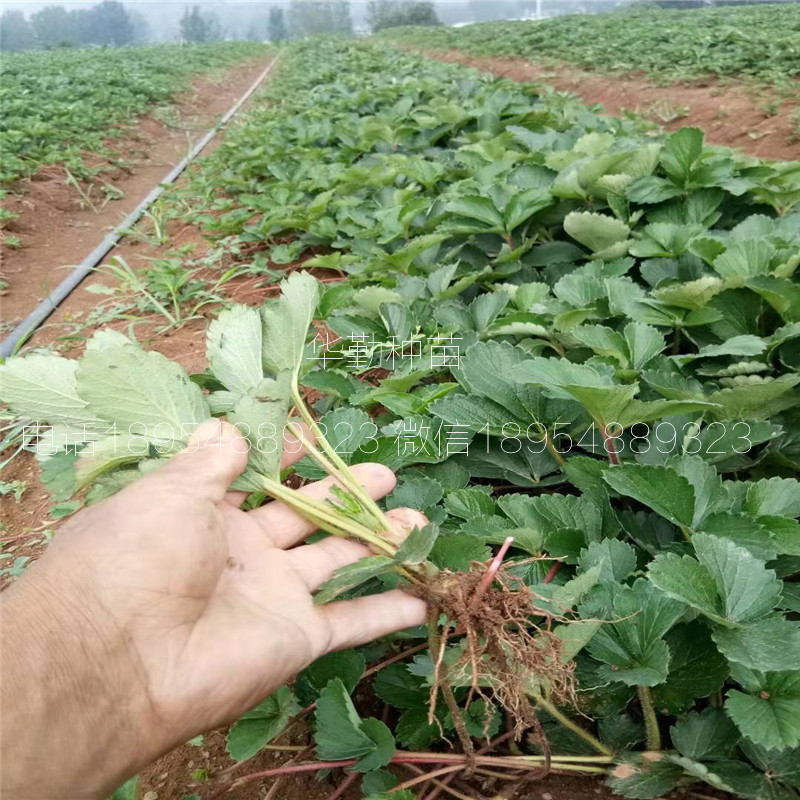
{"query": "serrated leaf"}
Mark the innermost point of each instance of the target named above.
(346, 665)
(457, 551)
(706, 736)
(598, 232)
(769, 713)
(141, 391)
(744, 260)
(469, 502)
(286, 322)
(341, 734)
(262, 422)
(644, 343)
(43, 388)
(771, 644)
(659, 488)
(396, 685)
(417, 545)
(725, 582)
(779, 496)
(681, 152)
(633, 646)
(615, 559)
(644, 775)
(233, 348)
(696, 668)
(352, 575)
(261, 725)
(414, 732)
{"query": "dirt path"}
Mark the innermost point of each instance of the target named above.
(730, 115)
(56, 226)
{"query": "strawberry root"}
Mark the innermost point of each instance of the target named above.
(509, 648)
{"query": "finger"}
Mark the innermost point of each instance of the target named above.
(356, 622)
(294, 448)
(235, 499)
(212, 460)
(293, 451)
(286, 527)
(404, 520)
(317, 562)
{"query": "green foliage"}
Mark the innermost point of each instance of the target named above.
(621, 397)
(669, 44)
(83, 96)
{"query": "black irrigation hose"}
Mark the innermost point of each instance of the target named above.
(42, 311)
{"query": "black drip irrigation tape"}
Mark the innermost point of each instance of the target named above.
(30, 324)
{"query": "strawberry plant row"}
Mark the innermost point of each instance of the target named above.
(579, 347)
(59, 105)
(749, 41)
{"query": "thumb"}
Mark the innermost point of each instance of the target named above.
(215, 455)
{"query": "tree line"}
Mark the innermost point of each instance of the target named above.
(111, 23)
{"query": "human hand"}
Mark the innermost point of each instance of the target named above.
(165, 611)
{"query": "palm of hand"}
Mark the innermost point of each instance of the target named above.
(216, 611)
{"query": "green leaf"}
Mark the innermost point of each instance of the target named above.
(469, 502)
(659, 488)
(43, 388)
(379, 780)
(706, 736)
(414, 732)
(681, 152)
(457, 551)
(771, 644)
(352, 575)
(744, 260)
(524, 205)
(644, 775)
(726, 583)
(633, 646)
(341, 734)
(644, 343)
(604, 341)
(233, 348)
(417, 545)
(417, 492)
(769, 714)
(605, 236)
(616, 559)
(286, 322)
(396, 685)
(263, 423)
(382, 737)
(480, 211)
(778, 496)
(261, 725)
(141, 391)
(346, 665)
(696, 668)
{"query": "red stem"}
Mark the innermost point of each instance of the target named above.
(611, 448)
(436, 791)
(553, 572)
(343, 786)
(492, 570)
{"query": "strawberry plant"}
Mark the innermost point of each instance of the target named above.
(60, 104)
(577, 345)
(669, 44)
